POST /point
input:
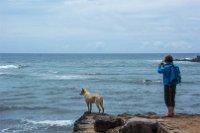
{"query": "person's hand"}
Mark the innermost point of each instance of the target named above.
(162, 64)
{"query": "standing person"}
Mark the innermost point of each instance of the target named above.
(171, 77)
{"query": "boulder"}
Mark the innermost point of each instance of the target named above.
(104, 124)
(197, 59)
(140, 125)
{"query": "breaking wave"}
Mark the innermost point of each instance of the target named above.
(102, 74)
(9, 66)
(146, 81)
(59, 123)
(12, 66)
(9, 108)
(40, 125)
(64, 77)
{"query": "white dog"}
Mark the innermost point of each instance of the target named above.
(92, 98)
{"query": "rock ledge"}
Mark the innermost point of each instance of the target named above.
(124, 123)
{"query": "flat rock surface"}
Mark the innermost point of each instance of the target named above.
(187, 123)
(181, 123)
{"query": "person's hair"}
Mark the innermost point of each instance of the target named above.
(169, 58)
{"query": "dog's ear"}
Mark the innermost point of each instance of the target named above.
(83, 90)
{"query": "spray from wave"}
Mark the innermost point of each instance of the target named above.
(8, 66)
(12, 66)
(147, 81)
(59, 123)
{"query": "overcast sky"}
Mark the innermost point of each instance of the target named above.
(99, 26)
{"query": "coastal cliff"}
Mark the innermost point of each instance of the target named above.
(140, 123)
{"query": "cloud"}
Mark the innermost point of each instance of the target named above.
(153, 44)
(179, 45)
(102, 24)
(96, 46)
(125, 5)
(169, 46)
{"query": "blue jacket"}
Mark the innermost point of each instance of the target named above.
(166, 71)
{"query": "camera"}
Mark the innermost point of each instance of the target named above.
(162, 63)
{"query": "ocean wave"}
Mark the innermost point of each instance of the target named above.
(55, 72)
(154, 61)
(58, 123)
(12, 75)
(40, 125)
(147, 81)
(101, 74)
(129, 81)
(68, 77)
(56, 76)
(74, 76)
(9, 108)
(13, 66)
(2, 73)
(8, 66)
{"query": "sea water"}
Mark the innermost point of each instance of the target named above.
(40, 93)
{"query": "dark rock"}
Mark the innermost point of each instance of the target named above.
(197, 59)
(104, 124)
(140, 125)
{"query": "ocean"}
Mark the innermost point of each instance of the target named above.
(40, 93)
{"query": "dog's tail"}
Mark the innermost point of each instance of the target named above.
(101, 103)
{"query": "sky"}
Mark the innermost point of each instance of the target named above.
(99, 26)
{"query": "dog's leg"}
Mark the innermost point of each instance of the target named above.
(101, 104)
(102, 108)
(98, 106)
(90, 107)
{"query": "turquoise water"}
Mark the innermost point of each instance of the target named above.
(39, 93)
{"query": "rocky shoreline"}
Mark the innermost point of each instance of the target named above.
(197, 59)
(139, 123)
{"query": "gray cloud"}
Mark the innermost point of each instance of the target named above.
(101, 24)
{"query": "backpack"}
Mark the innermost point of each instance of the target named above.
(175, 76)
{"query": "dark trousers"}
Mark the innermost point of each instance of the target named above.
(169, 95)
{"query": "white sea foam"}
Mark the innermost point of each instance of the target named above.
(54, 76)
(51, 122)
(55, 72)
(151, 81)
(68, 77)
(154, 61)
(188, 58)
(8, 66)
(30, 125)
(4, 130)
